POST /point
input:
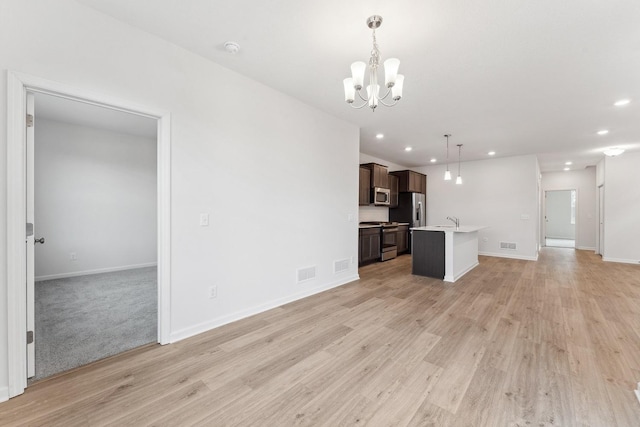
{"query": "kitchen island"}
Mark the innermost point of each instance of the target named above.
(444, 252)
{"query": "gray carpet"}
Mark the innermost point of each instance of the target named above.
(83, 319)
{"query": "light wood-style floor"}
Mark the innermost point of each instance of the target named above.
(513, 343)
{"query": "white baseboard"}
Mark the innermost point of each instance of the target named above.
(96, 271)
(586, 248)
(220, 321)
(621, 260)
(4, 394)
(452, 279)
(501, 255)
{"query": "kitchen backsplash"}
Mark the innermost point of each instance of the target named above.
(373, 213)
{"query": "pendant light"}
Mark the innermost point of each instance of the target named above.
(459, 178)
(447, 174)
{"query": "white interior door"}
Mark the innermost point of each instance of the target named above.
(31, 239)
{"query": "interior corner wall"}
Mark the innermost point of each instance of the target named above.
(622, 208)
(584, 182)
(95, 198)
(277, 176)
(501, 194)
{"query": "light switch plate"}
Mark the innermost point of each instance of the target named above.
(204, 219)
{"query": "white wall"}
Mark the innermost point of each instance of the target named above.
(584, 182)
(277, 176)
(622, 208)
(499, 193)
(558, 215)
(95, 196)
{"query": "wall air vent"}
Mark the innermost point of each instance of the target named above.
(307, 273)
(508, 245)
(340, 266)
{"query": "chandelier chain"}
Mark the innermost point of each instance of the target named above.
(374, 61)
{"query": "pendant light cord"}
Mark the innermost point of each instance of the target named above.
(447, 136)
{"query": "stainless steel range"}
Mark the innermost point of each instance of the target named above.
(388, 239)
(389, 243)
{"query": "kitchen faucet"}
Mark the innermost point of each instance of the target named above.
(455, 220)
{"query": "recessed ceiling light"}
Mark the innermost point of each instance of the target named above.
(568, 163)
(380, 136)
(567, 169)
(612, 152)
(603, 132)
(433, 160)
(408, 148)
(491, 153)
(622, 102)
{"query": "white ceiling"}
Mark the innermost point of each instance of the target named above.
(518, 76)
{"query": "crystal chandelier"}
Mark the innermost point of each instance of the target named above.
(393, 81)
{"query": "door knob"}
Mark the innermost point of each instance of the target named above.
(40, 240)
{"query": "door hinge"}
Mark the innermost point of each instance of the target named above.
(29, 120)
(29, 337)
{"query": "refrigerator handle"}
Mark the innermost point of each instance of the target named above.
(419, 213)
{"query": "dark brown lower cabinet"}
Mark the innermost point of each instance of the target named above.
(402, 241)
(369, 245)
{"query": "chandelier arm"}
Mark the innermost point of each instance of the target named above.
(358, 107)
(385, 104)
(362, 97)
(385, 95)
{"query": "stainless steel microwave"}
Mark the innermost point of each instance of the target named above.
(381, 196)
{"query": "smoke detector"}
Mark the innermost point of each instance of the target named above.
(232, 47)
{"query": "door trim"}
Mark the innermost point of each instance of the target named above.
(17, 86)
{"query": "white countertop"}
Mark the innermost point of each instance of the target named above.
(451, 228)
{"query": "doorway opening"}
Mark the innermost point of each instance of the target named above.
(95, 249)
(20, 236)
(560, 218)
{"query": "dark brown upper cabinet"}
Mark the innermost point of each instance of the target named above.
(379, 175)
(394, 182)
(411, 182)
(364, 192)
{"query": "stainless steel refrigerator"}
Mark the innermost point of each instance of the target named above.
(412, 208)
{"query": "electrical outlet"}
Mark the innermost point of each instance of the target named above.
(73, 256)
(204, 220)
(352, 260)
(213, 292)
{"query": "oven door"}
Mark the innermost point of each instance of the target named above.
(389, 243)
